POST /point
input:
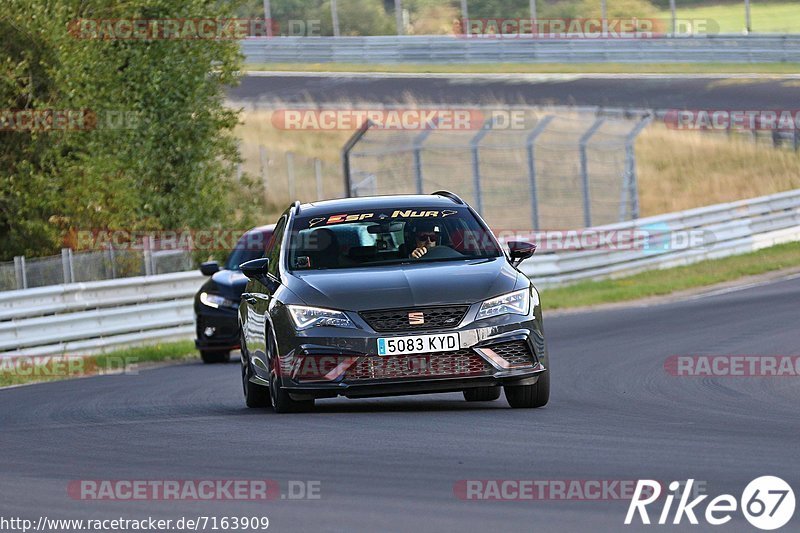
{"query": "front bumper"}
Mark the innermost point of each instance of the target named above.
(216, 329)
(399, 387)
(327, 362)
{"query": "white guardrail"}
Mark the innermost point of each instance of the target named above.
(722, 48)
(84, 318)
(723, 230)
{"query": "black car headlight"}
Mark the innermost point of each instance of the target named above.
(512, 303)
(307, 317)
(216, 301)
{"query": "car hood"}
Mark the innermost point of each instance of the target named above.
(408, 285)
(228, 283)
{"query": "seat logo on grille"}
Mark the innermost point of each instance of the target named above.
(416, 319)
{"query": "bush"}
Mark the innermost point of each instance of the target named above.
(164, 164)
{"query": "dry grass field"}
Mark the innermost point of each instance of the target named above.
(676, 169)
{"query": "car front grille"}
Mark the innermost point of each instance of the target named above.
(405, 319)
(450, 364)
(517, 353)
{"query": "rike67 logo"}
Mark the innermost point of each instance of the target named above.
(767, 503)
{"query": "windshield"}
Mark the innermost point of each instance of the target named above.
(250, 246)
(389, 236)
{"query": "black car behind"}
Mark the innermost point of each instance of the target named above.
(216, 302)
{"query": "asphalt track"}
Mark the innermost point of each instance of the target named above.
(616, 91)
(391, 464)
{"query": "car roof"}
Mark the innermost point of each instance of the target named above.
(261, 229)
(409, 201)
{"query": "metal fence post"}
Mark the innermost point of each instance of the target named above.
(146, 256)
(318, 175)
(268, 17)
(335, 18)
(630, 187)
(673, 17)
(747, 16)
(587, 200)
(262, 155)
(398, 16)
(530, 144)
(346, 149)
(419, 140)
(604, 17)
(19, 272)
(112, 261)
(67, 265)
(476, 164)
(290, 174)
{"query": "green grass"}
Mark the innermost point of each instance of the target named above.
(667, 281)
(115, 361)
(765, 17)
(541, 68)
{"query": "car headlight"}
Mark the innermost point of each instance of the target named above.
(308, 317)
(513, 303)
(216, 301)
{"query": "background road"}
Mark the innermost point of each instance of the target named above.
(619, 90)
(390, 464)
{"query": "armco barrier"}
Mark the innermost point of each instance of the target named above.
(733, 228)
(83, 318)
(452, 49)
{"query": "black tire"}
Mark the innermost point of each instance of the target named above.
(482, 394)
(215, 357)
(529, 396)
(255, 396)
(282, 402)
(280, 399)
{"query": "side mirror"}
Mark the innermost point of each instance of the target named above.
(255, 269)
(209, 268)
(520, 251)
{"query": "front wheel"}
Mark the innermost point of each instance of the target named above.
(281, 401)
(255, 396)
(529, 396)
(482, 394)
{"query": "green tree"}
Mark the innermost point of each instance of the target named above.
(163, 149)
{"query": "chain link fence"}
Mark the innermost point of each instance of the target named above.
(75, 267)
(286, 176)
(552, 171)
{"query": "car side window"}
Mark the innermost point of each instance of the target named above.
(274, 249)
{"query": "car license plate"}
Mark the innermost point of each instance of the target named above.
(446, 342)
